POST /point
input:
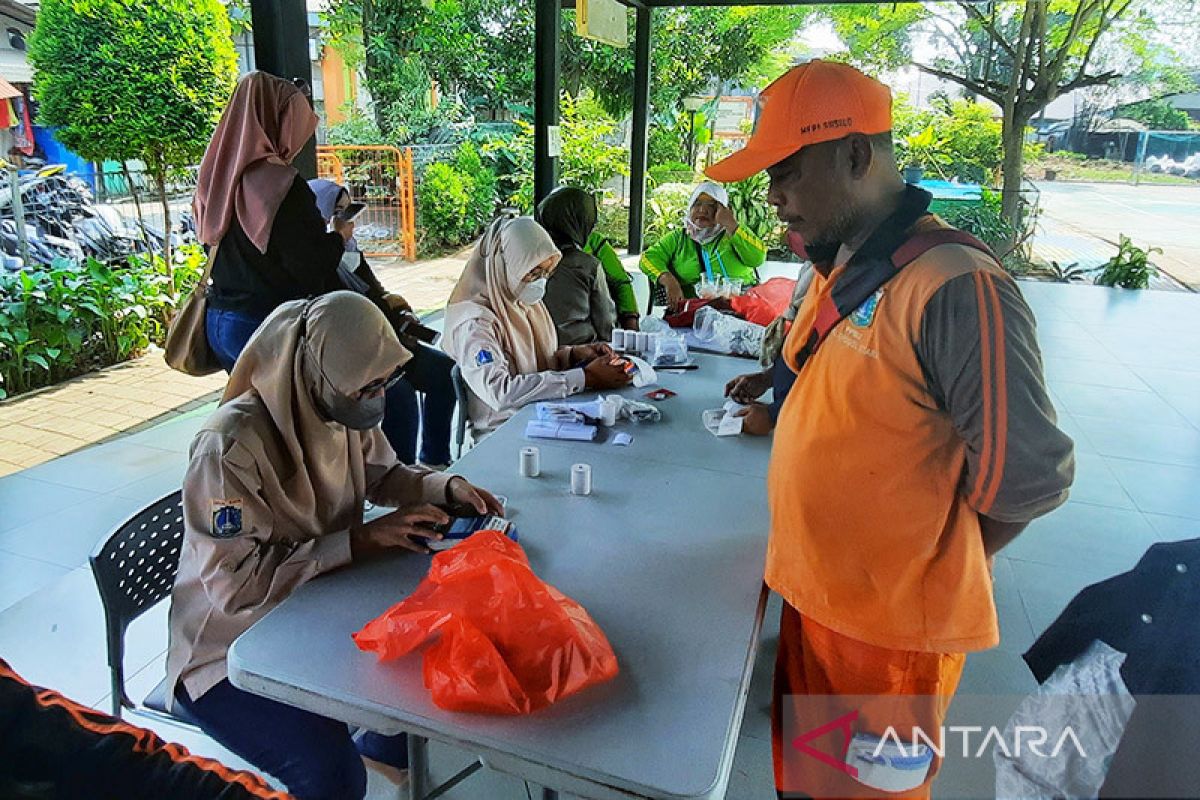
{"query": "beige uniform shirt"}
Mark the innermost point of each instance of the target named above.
(241, 557)
(496, 392)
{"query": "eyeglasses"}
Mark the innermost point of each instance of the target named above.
(383, 384)
(538, 274)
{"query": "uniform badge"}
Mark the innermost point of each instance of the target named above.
(484, 357)
(864, 315)
(226, 518)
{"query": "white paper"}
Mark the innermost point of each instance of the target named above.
(572, 431)
(733, 406)
(730, 425)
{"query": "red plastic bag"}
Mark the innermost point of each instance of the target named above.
(509, 644)
(764, 303)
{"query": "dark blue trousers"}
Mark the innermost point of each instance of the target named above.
(315, 757)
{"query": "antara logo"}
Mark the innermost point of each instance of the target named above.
(1033, 739)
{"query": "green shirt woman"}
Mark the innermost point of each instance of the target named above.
(711, 245)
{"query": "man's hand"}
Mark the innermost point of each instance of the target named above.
(756, 419)
(630, 322)
(674, 291)
(725, 218)
(404, 528)
(746, 389)
(460, 491)
(396, 303)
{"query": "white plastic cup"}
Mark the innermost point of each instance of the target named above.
(608, 412)
(643, 342)
(618, 339)
(581, 479)
(531, 462)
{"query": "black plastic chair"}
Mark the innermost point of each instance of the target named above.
(134, 567)
(460, 394)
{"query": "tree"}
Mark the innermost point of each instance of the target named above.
(1158, 115)
(128, 79)
(483, 49)
(1019, 54)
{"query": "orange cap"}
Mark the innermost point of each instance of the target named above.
(815, 102)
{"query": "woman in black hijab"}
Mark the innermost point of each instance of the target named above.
(577, 293)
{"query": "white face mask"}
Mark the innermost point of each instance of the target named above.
(533, 292)
(701, 235)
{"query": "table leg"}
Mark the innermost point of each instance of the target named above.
(418, 766)
(549, 794)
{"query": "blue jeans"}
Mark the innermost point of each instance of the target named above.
(432, 415)
(313, 756)
(228, 332)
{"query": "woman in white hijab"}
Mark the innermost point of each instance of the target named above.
(502, 336)
(273, 497)
(710, 244)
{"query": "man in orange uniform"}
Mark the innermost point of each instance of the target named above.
(917, 440)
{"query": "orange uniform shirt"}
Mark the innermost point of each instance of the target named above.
(921, 411)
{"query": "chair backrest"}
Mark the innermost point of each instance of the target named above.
(460, 395)
(134, 567)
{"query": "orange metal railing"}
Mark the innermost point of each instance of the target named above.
(380, 176)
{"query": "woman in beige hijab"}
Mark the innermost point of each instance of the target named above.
(273, 497)
(502, 336)
(258, 217)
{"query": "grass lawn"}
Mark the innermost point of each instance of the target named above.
(1100, 171)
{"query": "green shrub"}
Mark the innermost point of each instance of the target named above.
(1130, 268)
(443, 205)
(357, 128)
(62, 320)
(481, 185)
(748, 202)
(952, 140)
(671, 172)
(613, 224)
(665, 209)
(663, 145)
(589, 160)
(984, 220)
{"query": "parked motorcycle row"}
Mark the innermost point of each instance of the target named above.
(63, 221)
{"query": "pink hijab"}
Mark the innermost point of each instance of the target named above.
(247, 169)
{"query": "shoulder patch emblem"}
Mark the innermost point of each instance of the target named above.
(226, 518)
(484, 357)
(864, 315)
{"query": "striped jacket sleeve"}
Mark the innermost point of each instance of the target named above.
(54, 747)
(979, 354)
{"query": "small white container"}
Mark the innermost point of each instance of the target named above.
(581, 479)
(618, 339)
(531, 462)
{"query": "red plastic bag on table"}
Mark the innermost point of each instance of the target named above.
(764, 303)
(509, 644)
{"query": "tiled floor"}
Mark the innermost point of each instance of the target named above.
(1124, 368)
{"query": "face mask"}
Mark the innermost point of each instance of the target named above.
(702, 235)
(355, 414)
(533, 292)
